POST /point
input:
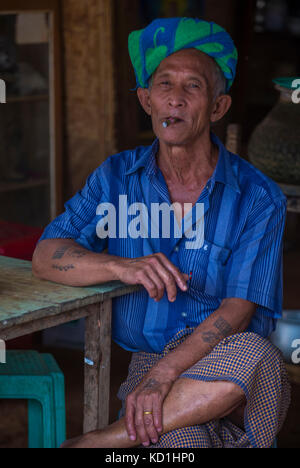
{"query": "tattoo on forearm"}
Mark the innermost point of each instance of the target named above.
(210, 337)
(224, 329)
(60, 252)
(75, 253)
(63, 267)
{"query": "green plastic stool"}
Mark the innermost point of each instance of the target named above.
(28, 375)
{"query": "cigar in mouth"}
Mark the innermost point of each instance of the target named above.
(169, 121)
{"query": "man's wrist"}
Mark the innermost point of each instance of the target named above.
(168, 370)
(112, 266)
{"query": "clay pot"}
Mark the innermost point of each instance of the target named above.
(274, 146)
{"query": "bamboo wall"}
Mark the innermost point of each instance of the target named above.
(88, 88)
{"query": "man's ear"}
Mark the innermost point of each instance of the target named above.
(144, 98)
(220, 108)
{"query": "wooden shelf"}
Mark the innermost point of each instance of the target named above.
(32, 98)
(27, 184)
(40, 123)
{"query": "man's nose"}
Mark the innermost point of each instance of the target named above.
(176, 98)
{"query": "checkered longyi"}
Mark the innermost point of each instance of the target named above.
(246, 359)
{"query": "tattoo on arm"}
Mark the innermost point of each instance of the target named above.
(75, 253)
(63, 267)
(212, 337)
(60, 252)
(224, 328)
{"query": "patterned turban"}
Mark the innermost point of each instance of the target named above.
(161, 38)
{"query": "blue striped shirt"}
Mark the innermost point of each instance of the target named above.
(241, 256)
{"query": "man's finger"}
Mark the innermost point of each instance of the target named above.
(156, 279)
(130, 420)
(165, 276)
(170, 284)
(157, 415)
(148, 414)
(150, 428)
(140, 425)
(180, 278)
(149, 285)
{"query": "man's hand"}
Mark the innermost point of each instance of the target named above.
(143, 417)
(155, 272)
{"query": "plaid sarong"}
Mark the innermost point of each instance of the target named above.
(246, 359)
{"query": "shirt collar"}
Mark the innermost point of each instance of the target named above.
(147, 160)
(224, 171)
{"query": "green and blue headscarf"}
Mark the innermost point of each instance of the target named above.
(161, 38)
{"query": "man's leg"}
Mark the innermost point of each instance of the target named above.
(190, 402)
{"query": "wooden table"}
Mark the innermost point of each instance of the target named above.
(28, 304)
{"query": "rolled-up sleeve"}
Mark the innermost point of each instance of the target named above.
(79, 219)
(255, 267)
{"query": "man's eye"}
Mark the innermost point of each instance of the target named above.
(194, 85)
(165, 83)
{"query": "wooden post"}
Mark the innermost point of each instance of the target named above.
(89, 87)
(97, 366)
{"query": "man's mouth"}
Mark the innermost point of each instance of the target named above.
(171, 121)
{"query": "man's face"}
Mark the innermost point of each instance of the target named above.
(182, 92)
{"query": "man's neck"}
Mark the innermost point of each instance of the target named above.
(192, 164)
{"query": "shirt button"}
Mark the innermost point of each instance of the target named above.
(176, 249)
(184, 314)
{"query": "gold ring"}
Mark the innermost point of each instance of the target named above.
(147, 412)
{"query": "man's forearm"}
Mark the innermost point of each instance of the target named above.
(65, 261)
(233, 316)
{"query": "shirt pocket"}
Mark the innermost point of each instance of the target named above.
(208, 269)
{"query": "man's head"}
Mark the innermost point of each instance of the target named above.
(185, 90)
(183, 67)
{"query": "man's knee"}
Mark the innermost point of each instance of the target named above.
(192, 393)
(194, 386)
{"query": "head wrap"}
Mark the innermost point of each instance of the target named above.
(161, 38)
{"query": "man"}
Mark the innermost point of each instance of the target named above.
(202, 373)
